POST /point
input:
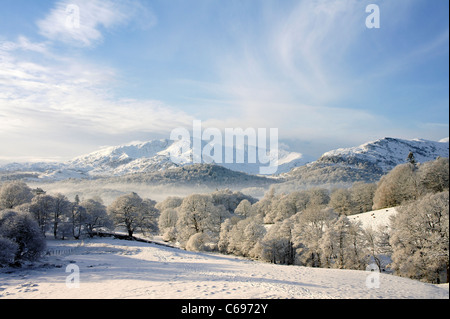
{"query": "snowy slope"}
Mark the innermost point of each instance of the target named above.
(140, 157)
(111, 268)
(155, 155)
(388, 152)
(375, 219)
(371, 159)
(129, 158)
(367, 162)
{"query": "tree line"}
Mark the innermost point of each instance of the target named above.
(312, 228)
(309, 227)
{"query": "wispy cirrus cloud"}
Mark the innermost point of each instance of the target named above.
(308, 67)
(81, 22)
(293, 73)
(315, 71)
(69, 103)
(51, 101)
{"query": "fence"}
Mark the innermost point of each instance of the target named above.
(60, 251)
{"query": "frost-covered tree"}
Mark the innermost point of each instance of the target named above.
(22, 229)
(343, 245)
(277, 246)
(199, 242)
(13, 194)
(170, 202)
(362, 197)
(308, 232)
(377, 244)
(224, 235)
(229, 199)
(8, 251)
(168, 217)
(263, 206)
(77, 218)
(398, 186)
(285, 207)
(269, 208)
(133, 213)
(341, 201)
(357, 248)
(243, 236)
(95, 216)
(318, 197)
(301, 199)
(244, 209)
(41, 208)
(167, 223)
(434, 176)
(198, 214)
(60, 215)
(420, 239)
(254, 232)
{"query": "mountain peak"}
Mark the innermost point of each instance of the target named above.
(376, 157)
(388, 152)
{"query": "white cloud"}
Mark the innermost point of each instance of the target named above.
(310, 46)
(298, 72)
(290, 75)
(81, 22)
(48, 107)
(23, 43)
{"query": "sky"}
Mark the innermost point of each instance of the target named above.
(77, 75)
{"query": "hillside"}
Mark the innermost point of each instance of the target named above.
(111, 268)
(143, 157)
(374, 219)
(384, 154)
(197, 174)
(150, 162)
(367, 162)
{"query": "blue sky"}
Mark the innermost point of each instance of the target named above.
(135, 70)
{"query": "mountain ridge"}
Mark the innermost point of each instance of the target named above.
(143, 157)
(366, 162)
(389, 152)
(370, 160)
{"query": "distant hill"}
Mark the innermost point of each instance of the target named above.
(387, 153)
(367, 162)
(150, 162)
(141, 157)
(207, 175)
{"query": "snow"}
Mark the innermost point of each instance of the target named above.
(138, 157)
(375, 219)
(111, 268)
(389, 152)
(154, 155)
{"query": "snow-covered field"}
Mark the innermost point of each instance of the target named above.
(375, 219)
(111, 268)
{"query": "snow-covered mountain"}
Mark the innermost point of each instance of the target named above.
(388, 152)
(367, 162)
(143, 157)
